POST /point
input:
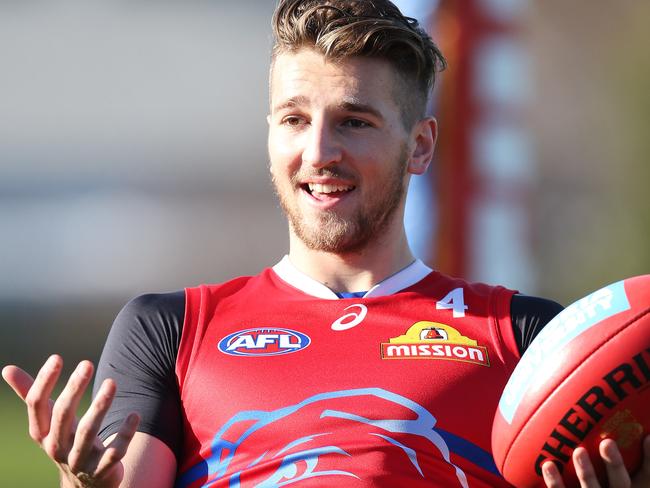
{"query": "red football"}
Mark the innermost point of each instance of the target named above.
(585, 377)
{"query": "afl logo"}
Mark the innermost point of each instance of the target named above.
(267, 341)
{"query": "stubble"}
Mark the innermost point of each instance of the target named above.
(331, 232)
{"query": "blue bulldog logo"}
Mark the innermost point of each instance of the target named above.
(316, 438)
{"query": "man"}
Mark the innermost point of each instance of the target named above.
(349, 363)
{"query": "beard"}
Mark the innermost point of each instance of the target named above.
(334, 233)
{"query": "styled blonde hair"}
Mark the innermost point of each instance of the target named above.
(340, 29)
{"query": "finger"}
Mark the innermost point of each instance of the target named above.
(60, 438)
(39, 404)
(552, 476)
(616, 471)
(19, 380)
(584, 469)
(117, 448)
(85, 444)
(642, 478)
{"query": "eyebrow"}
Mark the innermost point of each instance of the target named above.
(350, 105)
(356, 106)
(291, 103)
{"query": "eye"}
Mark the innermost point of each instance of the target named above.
(356, 123)
(293, 121)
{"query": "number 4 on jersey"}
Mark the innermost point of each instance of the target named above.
(454, 301)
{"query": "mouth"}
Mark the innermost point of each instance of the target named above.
(325, 191)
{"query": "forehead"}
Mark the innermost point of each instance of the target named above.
(310, 78)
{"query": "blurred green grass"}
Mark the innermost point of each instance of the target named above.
(23, 463)
(29, 333)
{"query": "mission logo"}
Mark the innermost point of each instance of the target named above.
(263, 341)
(432, 340)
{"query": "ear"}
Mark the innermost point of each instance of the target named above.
(423, 142)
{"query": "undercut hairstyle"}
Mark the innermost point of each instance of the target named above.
(340, 29)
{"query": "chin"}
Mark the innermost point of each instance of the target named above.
(337, 243)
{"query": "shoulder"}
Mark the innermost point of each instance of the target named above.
(529, 315)
(155, 302)
(477, 287)
(151, 315)
(543, 309)
(206, 294)
(483, 298)
(154, 305)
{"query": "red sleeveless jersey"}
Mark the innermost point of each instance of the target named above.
(283, 383)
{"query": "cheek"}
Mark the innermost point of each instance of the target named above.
(281, 175)
(276, 174)
(283, 157)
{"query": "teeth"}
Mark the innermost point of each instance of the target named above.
(319, 188)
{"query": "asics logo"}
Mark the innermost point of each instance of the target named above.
(351, 319)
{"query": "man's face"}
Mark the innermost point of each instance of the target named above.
(338, 149)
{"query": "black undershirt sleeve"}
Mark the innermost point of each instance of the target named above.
(141, 350)
(529, 315)
(140, 355)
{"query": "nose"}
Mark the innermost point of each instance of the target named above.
(322, 147)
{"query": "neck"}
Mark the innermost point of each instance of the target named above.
(357, 271)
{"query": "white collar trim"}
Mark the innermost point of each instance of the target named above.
(414, 272)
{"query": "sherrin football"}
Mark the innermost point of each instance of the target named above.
(586, 376)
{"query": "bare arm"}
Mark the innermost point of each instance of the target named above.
(148, 463)
(72, 443)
